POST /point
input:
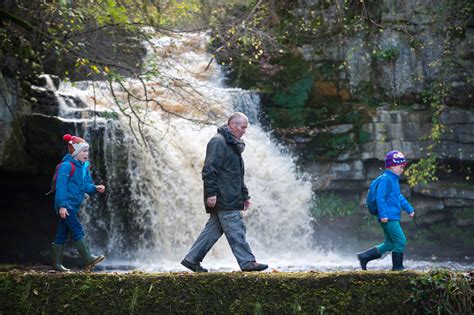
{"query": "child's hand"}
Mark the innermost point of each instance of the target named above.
(100, 188)
(384, 220)
(412, 214)
(63, 213)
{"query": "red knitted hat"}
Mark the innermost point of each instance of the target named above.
(75, 144)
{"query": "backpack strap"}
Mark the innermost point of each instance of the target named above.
(389, 186)
(55, 176)
(71, 172)
(73, 169)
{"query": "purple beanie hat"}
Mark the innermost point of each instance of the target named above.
(394, 158)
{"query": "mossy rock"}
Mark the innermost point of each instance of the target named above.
(220, 293)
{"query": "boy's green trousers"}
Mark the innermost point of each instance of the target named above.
(395, 240)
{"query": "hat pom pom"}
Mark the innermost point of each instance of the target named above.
(67, 137)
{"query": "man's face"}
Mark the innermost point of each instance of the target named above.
(238, 127)
(83, 155)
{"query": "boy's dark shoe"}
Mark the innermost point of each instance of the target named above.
(57, 252)
(255, 266)
(368, 255)
(397, 261)
(193, 267)
(90, 261)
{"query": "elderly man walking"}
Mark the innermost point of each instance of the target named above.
(225, 195)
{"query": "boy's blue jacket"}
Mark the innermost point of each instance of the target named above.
(70, 191)
(389, 199)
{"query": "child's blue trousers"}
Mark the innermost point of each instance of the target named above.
(70, 224)
(395, 240)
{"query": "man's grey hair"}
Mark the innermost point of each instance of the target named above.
(237, 116)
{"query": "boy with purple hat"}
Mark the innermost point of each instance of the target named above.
(390, 202)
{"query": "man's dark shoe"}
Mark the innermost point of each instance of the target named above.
(255, 266)
(193, 267)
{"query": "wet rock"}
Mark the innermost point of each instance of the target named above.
(451, 116)
(340, 129)
(465, 222)
(44, 101)
(444, 189)
(424, 205)
(345, 185)
(458, 202)
(432, 218)
(352, 170)
(48, 81)
(419, 107)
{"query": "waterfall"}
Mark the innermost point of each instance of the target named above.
(154, 202)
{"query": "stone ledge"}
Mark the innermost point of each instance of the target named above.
(443, 189)
(222, 293)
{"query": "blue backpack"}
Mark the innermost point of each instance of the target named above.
(371, 200)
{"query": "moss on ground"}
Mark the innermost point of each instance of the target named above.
(218, 293)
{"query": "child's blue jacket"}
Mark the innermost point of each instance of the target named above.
(70, 191)
(390, 201)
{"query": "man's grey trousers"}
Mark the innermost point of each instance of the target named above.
(230, 223)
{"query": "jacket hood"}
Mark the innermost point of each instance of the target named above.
(68, 158)
(392, 174)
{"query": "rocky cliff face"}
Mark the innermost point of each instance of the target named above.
(386, 75)
(393, 50)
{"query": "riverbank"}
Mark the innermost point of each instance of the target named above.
(26, 292)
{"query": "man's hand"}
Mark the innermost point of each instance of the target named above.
(100, 188)
(247, 204)
(384, 220)
(211, 201)
(63, 213)
(412, 214)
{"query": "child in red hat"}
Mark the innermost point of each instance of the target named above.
(73, 180)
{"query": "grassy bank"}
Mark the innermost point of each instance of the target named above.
(235, 293)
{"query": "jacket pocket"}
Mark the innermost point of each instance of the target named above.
(231, 192)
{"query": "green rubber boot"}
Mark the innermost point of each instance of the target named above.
(89, 260)
(57, 252)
